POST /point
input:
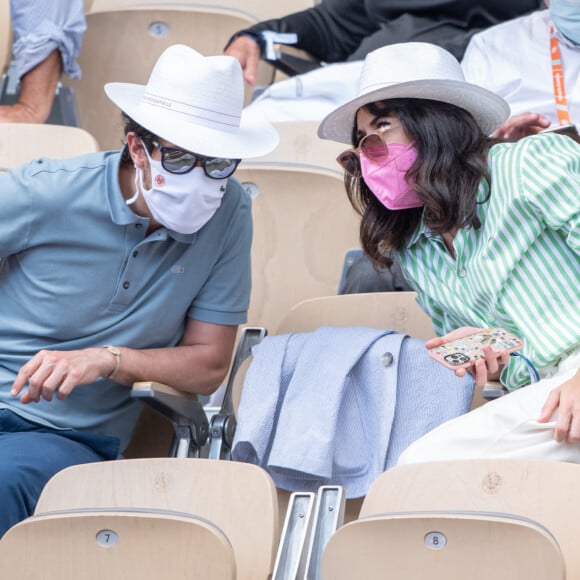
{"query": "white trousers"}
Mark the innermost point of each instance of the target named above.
(506, 427)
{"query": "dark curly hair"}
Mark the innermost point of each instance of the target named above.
(129, 125)
(451, 162)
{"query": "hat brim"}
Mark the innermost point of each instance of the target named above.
(488, 109)
(252, 138)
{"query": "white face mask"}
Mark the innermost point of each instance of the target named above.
(181, 203)
(565, 15)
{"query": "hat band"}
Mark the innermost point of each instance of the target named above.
(192, 111)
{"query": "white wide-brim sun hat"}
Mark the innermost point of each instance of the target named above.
(416, 70)
(196, 103)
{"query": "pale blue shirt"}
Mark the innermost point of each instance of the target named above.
(41, 26)
(80, 271)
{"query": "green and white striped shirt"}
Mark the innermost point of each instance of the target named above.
(521, 269)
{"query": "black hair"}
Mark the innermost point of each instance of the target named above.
(451, 162)
(131, 126)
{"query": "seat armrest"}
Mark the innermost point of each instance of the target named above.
(493, 390)
(182, 409)
(223, 423)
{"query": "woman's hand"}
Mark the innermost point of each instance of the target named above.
(566, 400)
(484, 369)
(520, 126)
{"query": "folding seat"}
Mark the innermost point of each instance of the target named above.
(258, 9)
(124, 38)
(22, 142)
(432, 546)
(303, 222)
(148, 518)
(539, 491)
(393, 310)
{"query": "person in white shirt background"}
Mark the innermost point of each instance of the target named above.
(533, 62)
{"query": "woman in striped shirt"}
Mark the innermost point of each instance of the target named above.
(488, 234)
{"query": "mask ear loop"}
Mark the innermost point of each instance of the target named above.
(135, 197)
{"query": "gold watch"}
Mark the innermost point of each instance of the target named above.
(117, 354)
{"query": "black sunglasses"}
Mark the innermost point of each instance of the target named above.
(372, 146)
(179, 162)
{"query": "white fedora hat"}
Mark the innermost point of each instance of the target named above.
(417, 70)
(196, 102)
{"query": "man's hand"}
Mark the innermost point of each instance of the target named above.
(521, 125)
(247, 52)
(484, 369)
(51, 371)
(566, 400)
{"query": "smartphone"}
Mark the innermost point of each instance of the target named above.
(570, 130)
(463, 352)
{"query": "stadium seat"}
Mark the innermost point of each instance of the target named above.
(542, 491)
(259, 9)
(378, 310)
(143, 518)
(303, 222)
(375, 310)
(122, 43)
(116, 544)
(396, 310)
(22, 142)
(433, 546)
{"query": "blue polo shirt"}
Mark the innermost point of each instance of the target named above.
(80, 271)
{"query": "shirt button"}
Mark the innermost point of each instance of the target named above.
(387, 359)
(135, 254)
(139, 225)
(126, 285)
(462, 273)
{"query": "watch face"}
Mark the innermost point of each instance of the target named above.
(117, 354)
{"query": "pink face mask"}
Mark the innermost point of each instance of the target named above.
(385, 176)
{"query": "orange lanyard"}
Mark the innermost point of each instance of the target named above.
(558, 78)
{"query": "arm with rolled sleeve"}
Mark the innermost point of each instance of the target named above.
(48, 37)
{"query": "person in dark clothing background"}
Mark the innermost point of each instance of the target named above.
(337, 31)
(341, 30)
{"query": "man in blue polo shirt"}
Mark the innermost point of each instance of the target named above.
(123, 266)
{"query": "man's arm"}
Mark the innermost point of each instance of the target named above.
(198, 365)
(37, 88)
(47, 42)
